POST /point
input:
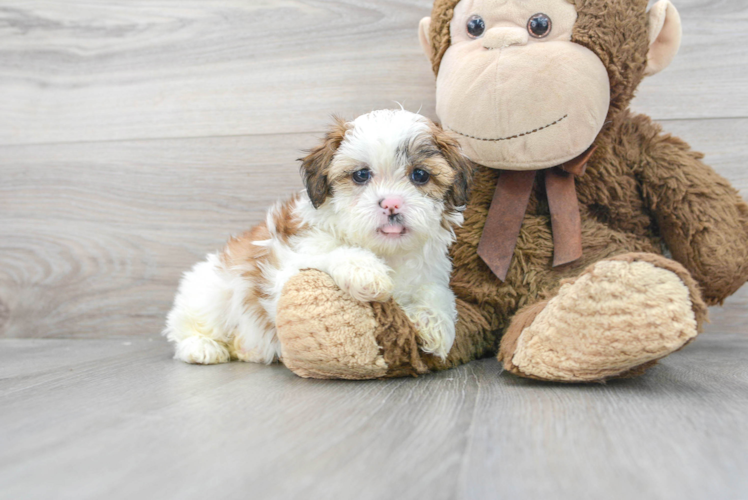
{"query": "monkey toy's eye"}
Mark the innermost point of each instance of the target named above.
(539, 26)
(419, 177)
(476, 26)
(361, 176)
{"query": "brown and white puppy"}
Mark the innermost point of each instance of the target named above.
(383, 194)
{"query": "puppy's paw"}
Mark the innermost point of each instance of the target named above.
(366, 280)
(258, 350)
(436, 330)
(201, 350)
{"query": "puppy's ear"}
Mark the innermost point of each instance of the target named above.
(459, 192)
(316, 165)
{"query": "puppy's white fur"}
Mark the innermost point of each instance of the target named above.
(226, 306)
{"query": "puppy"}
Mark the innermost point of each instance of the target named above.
(383, 195)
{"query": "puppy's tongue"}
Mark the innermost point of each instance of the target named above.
(392, 229)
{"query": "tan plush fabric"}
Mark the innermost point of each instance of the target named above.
(665, 33)
(490, 98)
(617, 315)
(616, 31)
(325, 333)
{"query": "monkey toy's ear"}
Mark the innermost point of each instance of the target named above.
(423, 35)
(665, 32)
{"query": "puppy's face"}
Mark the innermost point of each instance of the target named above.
(387, 181)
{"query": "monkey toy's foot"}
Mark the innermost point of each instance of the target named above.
(615, 319)
(327, 334)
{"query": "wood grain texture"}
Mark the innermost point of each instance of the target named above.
(111, 419)
(112, 70)
(94, 236)
(708, 78)
(190, 68)
(217, 99)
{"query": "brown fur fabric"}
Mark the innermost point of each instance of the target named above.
(642, 190)
(398, 339)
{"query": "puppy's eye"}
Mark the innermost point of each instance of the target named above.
(361, 176)
(476, 26)
(539, 26)
(419, 177)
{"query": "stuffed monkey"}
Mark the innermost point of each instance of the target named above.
(592, 242)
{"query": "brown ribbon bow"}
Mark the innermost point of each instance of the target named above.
(509, 205)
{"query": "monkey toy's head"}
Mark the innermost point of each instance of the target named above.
(529, 84)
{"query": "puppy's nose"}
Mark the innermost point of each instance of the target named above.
(391, 204)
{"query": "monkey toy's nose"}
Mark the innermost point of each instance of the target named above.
(499, 38)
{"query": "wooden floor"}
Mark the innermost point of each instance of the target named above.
(135, 136)
(118, 419)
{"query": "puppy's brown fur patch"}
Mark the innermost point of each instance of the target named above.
(316, 165)
(451, 172)
(459, 188)
(242, 252)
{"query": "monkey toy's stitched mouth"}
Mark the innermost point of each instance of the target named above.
(513, 136)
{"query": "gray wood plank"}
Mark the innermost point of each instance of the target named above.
(688, 411)
(94, 236)
(133, 423)
(90, 71)
(30, 361)
(78, 71)
(709, 77)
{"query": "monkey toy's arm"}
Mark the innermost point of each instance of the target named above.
(325, 333)
(701, 217)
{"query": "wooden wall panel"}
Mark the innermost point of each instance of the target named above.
(136, 136)
(107, 70)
